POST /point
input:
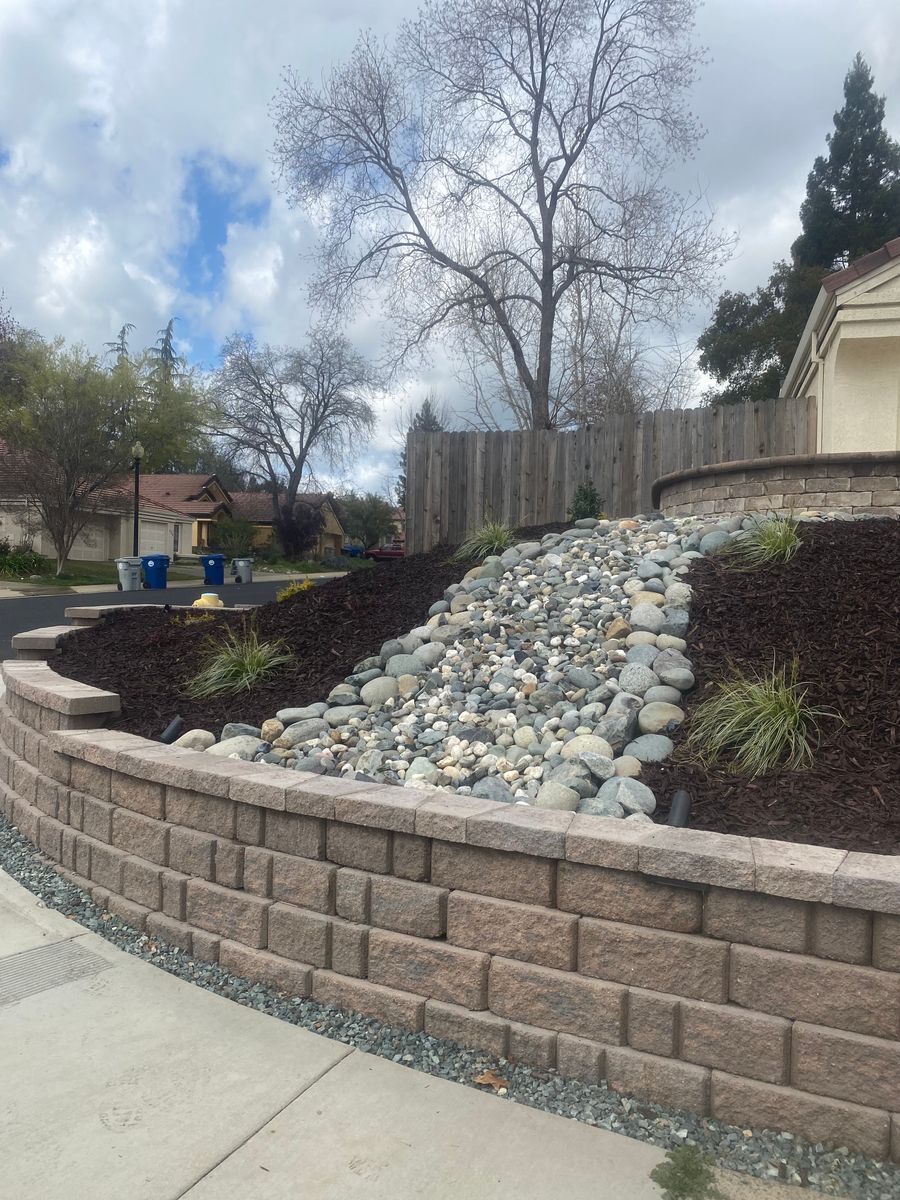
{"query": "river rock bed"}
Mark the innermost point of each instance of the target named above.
(549, 676)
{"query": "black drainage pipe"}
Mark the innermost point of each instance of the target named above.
(171, 731)
(680, 809)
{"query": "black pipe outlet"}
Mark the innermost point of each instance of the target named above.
(172, 731)
(680, 809)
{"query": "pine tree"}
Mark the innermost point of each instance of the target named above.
(428, 419)
(852, 203)
(852, 207)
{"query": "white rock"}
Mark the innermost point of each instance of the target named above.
(196, 739)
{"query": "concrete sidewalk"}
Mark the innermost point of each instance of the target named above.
(121, 1080)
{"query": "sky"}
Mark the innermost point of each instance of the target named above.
(136, 178)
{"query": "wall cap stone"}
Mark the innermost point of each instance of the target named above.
(794, 870)
(869, 458)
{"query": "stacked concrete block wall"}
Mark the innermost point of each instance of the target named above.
(754, 981)
(864, 483)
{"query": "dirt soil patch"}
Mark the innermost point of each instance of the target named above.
(836, 605)
(147, 656)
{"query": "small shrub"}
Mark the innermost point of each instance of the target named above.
(586, 503)
(293, 589)
(686, 1175)
(770, 542)
(17, 562)
(200, 618)
(235, 664)
(756, 723)
(492, 538)
(234, 536)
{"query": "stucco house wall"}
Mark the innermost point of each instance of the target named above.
(106, 535)
(849, 356)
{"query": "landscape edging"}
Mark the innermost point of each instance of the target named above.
(702, 970)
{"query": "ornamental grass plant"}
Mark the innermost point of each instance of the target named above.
(757, 722)
(235, 664)
(492, 538)
(769, 543)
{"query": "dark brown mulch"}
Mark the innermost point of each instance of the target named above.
(836, 605)
(148, 656)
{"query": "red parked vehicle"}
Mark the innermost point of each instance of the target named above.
(390, 550)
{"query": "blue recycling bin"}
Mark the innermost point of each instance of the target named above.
(154, 567)
(213, 568)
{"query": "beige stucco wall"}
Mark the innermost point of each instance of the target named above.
(861, 394)
(852, 365)
(859, 383)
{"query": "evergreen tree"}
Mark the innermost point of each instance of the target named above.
(852, 207)
(852, 203)
(166, 361)
(428, 419)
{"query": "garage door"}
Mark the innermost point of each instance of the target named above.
(90, 545)
(154, 537)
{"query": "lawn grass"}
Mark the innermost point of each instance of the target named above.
(76, 574)
(283, 566)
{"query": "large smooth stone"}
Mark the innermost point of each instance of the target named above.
(377, 691)
(633, 795)
(244, 747)
(492, 788)
(289, 716)
(238, 729)
(301, 731)
(557, 796)
(648, 617)
(344, 713)
(659, 718)
(403, 664)
(196, 739)
(586, 743)
(637, 679)
(650, 747)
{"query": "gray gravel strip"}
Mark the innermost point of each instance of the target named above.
(753, 1152)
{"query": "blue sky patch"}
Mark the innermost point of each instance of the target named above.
(4, 156)
(217, 194)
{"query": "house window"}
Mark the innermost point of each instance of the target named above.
(176, 541)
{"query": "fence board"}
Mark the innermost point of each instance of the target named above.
(457, 480)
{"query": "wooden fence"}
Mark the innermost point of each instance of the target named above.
(457, 480)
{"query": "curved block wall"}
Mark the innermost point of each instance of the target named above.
(858, 483)
(752, 980)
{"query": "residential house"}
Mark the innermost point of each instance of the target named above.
(201, 498)
(849, 356)
(257, 507)
(108, 532)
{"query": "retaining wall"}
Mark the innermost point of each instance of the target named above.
(856, 483)
(752, 980)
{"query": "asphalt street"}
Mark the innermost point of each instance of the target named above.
(33, 612)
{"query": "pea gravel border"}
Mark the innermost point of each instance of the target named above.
(752, 1152)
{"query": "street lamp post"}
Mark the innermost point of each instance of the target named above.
(137, 453)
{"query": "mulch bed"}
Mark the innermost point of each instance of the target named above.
(148, 656)
(836, 605)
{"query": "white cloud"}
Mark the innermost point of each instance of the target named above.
(105, 107)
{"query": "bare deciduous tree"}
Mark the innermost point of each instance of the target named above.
(495, 155)
(606, 362)
(279, 406)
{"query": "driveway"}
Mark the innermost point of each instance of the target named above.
(33, 612)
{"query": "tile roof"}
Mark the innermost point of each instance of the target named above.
(862, 266)
(179, 490)
(257, 506)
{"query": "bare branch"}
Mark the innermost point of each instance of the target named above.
(496, 155)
